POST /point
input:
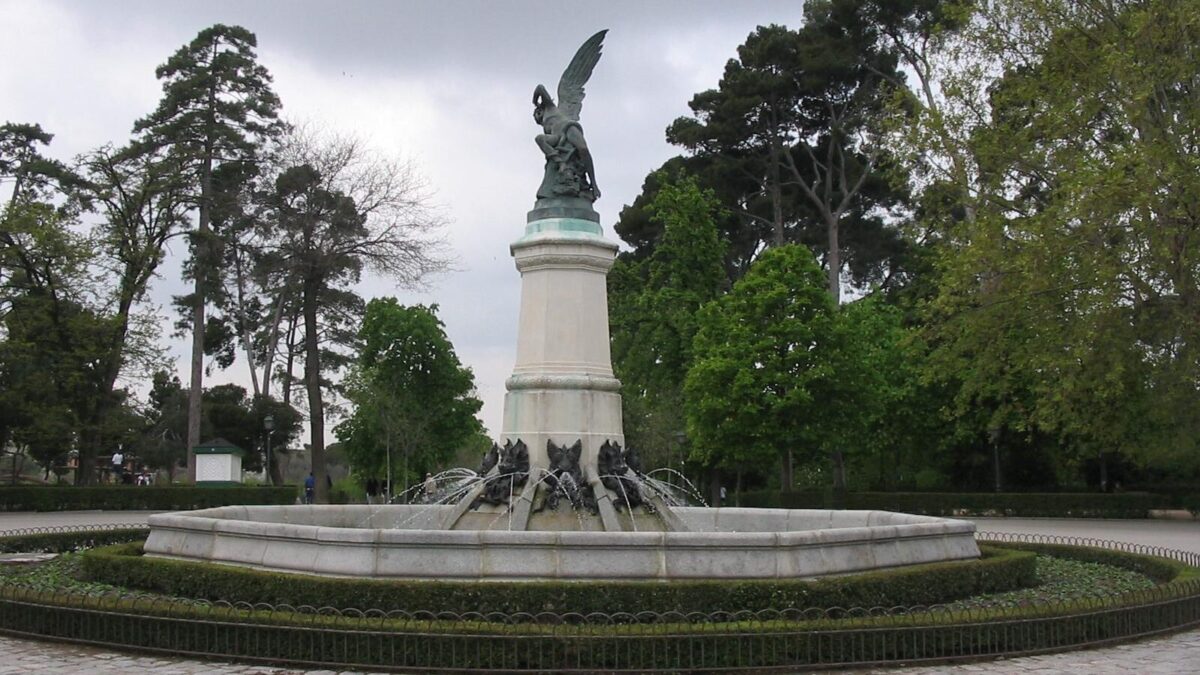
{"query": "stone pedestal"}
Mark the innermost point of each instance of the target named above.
(562, 387)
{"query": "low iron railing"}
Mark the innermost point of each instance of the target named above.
(768, 640)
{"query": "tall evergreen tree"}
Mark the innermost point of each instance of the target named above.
(217, 107)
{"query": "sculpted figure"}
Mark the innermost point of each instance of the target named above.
(512, 473)
(566, 477)
(489, 460)
(614, 474)
(569, 171)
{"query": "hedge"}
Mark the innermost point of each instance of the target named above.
(64, 542)
(131, 497)
(1059, 505)
(998, 570)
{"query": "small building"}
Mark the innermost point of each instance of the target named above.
(218, 462)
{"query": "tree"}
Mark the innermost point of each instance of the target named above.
(798, 107)
(20, 161)
(761, 353)
(163, 444)
(327, 235)
(1069, 300)
(410, 394)
(217, 107)
(653, 309)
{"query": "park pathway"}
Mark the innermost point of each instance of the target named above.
(1179, 653)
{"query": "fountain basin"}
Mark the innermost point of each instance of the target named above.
(404, 542)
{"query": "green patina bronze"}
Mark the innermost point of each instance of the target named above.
(569, 183)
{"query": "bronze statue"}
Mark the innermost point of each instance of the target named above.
(569, 171)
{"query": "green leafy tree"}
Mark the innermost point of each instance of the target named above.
(217, 107)
(762, 354)
(654, 306)
(411, 395)
(1067, 304)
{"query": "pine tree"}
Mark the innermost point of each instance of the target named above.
(217, 107)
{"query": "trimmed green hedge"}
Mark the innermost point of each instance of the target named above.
(131, 497)
(64, 542)
(1162, 570)
(999, 570)
(1059, 505)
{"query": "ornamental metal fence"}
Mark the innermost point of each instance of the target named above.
(763, 641)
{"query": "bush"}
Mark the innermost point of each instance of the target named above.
(1056, 505)
(130, 497)
(64, 542)
(999, 570)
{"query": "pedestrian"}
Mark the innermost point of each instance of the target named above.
(372, 490)
(310, 484)
(722, 500)
(118, 464)
(430, 487)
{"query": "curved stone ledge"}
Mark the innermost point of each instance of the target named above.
(571, 382)
(382, 542)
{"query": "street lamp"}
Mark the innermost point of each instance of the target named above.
(269, 425)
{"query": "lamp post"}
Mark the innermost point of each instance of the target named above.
(269, 425)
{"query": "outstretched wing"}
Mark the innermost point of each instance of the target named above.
(570, 86)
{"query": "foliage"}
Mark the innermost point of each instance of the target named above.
(761, 351)
(123, 566)
(794, 111)
(410, 394)
(956, 504)
(1062, 308)
(1064, 580)
(66, 542)
(653, 307)
(217, 107)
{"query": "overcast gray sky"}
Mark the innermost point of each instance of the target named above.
(445, 83)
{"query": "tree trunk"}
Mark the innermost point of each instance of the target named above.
(312, 381)
(243, 322)
(291, 361)
(839, 470)
(776, 196)
(1103, 471)
(789, 470)
(199, 270)
(835, 263)
(273, 344)
(737, 489)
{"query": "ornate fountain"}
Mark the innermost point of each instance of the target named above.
(561, 498)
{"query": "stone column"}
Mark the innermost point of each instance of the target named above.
(562, 387)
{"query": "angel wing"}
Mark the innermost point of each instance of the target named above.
(570, 85)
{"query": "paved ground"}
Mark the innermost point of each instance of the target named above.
(1178, 653)
(23, 519)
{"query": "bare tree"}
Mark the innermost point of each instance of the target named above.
(336, 209)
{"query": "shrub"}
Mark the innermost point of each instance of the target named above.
(998, 570)
(1058, 505)
(63, 542)
(129, 497)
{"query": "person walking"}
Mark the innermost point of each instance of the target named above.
(372, 490)
(118, 464)
(310, 484)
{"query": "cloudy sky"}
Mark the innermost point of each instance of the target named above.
(445, 83)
